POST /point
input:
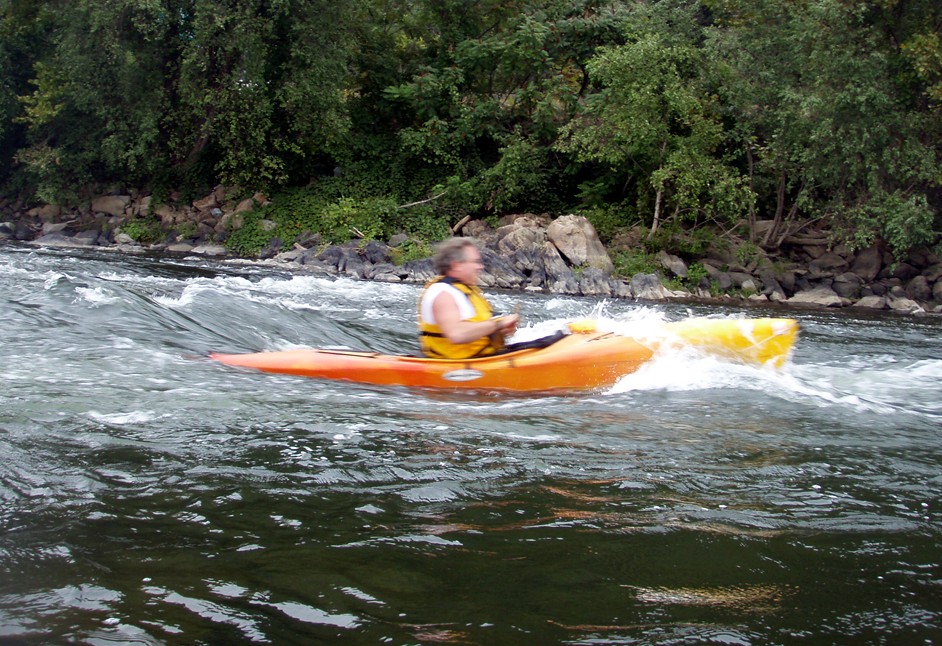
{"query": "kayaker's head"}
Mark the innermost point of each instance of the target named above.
(459, 258)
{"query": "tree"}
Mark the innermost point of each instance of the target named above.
(653, 124)
(493, 85)
(189, 92)
(814, 91)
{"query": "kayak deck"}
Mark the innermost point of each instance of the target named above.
(583, 360)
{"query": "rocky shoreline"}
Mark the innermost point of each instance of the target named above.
(560, 255)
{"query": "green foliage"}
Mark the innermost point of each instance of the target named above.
(412, 250)
(696, 273)
(335, 218)
(653, 120)
(143, 230)
(692, 112)
(824, 105)
(746, 253)
(630, 262)
(610, 221)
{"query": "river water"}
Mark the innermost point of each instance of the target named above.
(151, 496)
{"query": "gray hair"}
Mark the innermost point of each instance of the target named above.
(451, 251)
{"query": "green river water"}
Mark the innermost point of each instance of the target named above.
(151, 496)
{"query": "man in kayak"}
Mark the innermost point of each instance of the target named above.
(455, 319)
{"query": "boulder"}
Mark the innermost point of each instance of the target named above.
(521, 234)
(822, 296)
(420, 271)
(576, 239)
(208, 203)
(595, 282)
(741, 279)
(903, 304)
(111, 204)
(919, 289)
(210, 250)
(648, 287)
(872, 302)
(868, 263)
(674, 264)
(559, 277)
(771, 287)
(722, 279)
(904, 271)
(499, 272)
(937, 292)
(827, 265)
(848, 285)
(46, 213)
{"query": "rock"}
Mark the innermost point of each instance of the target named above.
(559, 277)
(872, 302)
(826, 265)
(55, 227)
(933, 273)
(523, 233)
(420, 271)
(904, 271)
(86, 238)
(576, 239)
(822, 296)
(230, 222)
(937, 292)
(847, 285)
(673, 264)
(723, 280)
(60, 240)
(740, 279)
(123, 238)
(46, 213)
(500, 273)
(386, 273)
(903, 304)
(919, 289)
(6, 230)
(142, 207)
(376, 252)
(180, 247)
(771, 287)
(267, 225)
(648, 287)
(922, 256)
(111, 204)
(210, 250)
(22, 232)
(595, 282)
(207, 203)
(397, 240)
(245, 206)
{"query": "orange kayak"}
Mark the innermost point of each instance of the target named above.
(585, 359)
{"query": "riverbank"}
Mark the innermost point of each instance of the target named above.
(557, 255)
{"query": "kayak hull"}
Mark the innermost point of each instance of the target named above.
(584, 360)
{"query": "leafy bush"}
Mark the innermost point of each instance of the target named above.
(628, 263)
(142, 230)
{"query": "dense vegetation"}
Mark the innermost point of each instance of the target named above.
(668, 114)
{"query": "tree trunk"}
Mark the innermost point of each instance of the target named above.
(657, 213)
(752, 206)
(779, 210)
